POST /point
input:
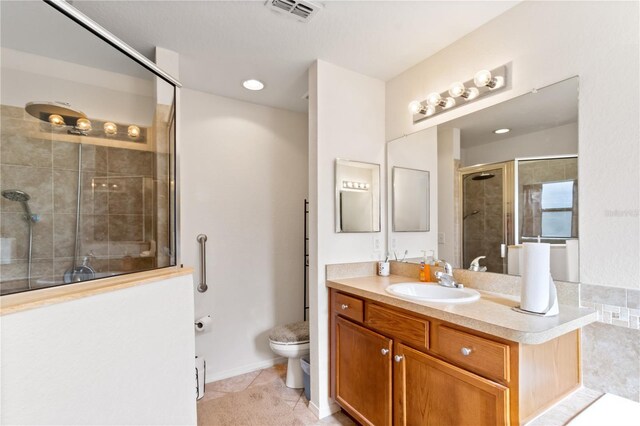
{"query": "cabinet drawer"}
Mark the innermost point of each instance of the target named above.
(400, 326)
(348, 306)
(477, 354)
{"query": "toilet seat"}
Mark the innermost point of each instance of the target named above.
(296, 333)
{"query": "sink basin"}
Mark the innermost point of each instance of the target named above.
(433, 292)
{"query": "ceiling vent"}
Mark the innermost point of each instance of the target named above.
(300, 10)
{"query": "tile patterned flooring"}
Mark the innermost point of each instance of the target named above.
(271, 381)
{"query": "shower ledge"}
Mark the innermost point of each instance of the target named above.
(13, 303)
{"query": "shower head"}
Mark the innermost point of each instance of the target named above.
(45, 109)
(483, 176)
(23, 198)
(16, 195)
(471, 214)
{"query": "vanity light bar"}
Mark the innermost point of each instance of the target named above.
(347, 184)
(484, 83)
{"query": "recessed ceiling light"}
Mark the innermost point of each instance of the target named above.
(253, 84)
(501, 131)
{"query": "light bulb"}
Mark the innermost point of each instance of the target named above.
(448, 103)
(110, 128)
(434, 99)
(133, 131)
(471, 93)
(349, 184)
(497, 82)
(416, 107)
(456, 89)
(429, 111)
(83, 124)
(253, 84)
(56, 120)
(482, 78)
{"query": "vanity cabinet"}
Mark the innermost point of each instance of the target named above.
(429, 391)
(363, 372)
(393, 366)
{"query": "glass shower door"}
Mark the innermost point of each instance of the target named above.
(485, 216)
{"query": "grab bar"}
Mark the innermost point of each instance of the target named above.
(202, 287)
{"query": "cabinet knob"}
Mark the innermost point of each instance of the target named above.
(344, 306)
(384, 351)
(398, 358)
(466, 351)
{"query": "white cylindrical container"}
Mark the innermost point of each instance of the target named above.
(536, 272)
(383, 269)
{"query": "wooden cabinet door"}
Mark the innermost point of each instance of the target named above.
(363, 373)
(429, 391)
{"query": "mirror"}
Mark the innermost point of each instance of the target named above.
(410, 193)
(504, 175)
(357, 196)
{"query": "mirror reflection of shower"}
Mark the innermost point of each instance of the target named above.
(483, 220)
(31, 218)
(473, 213)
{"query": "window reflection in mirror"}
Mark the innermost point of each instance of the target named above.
(357, 196)
(548, 199)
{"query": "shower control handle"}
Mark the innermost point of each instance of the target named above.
(202, 239)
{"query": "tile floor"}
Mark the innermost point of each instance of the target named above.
(265, 392)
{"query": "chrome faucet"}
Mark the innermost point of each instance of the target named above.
(445, 278)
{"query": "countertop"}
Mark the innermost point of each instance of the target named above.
(492, 314)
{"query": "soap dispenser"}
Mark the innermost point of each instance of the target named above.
(425, 267)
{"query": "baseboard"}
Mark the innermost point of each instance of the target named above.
(220, 375)
(325, 411)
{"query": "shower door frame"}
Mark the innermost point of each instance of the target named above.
(96, 29)
(508, 207)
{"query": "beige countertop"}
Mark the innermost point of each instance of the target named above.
(492, 314)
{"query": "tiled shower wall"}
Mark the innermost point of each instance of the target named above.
(118, 201)
(482, 232)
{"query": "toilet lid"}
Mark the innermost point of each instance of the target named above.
(297, 332)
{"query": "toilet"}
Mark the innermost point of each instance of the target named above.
(292, 342)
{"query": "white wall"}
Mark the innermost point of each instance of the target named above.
(560, 140)
(125, 357)
(548, 42)
(416, 151)
(243, 181)
(346, 120)
(448, 154)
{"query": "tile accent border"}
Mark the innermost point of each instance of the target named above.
(615, 306)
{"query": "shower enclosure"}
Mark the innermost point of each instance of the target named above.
(487, 204)
(87, 154)
(519, 201)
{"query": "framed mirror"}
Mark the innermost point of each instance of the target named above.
(357, 202)
(410, 194)
(505, 175)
